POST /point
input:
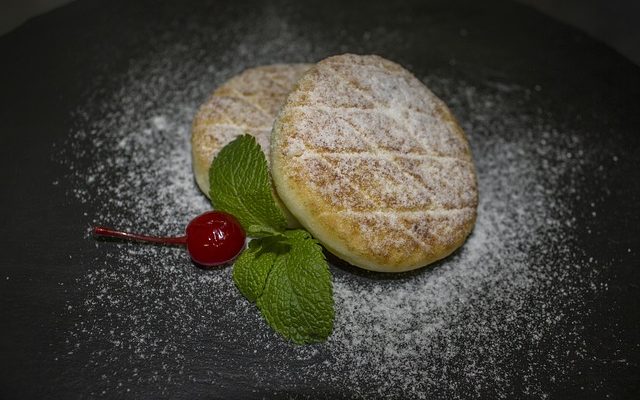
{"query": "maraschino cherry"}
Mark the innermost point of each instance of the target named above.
(213, 238)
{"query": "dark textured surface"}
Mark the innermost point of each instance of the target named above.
(52, 64)
(610, 21)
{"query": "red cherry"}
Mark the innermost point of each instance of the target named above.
(213, 238)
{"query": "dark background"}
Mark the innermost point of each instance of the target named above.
(43, 72)
(614, 22)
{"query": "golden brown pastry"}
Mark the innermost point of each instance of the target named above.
(247, 103)
(374, 165)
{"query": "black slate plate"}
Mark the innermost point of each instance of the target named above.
(62, 72)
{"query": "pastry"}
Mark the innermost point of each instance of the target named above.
(374, 165)
(247, 103)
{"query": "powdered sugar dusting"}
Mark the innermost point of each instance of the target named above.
(474, 308)
(471, 325)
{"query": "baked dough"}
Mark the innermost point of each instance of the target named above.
(247, 103)
(374, 165)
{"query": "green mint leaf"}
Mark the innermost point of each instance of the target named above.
(252, 267)
(297, 296)
(240, 185)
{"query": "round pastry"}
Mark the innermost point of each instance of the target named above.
(374, 165)
(247, 103)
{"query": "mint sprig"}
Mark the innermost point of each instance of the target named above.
(240, 185)
(284, 272)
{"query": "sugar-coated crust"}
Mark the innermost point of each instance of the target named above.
(247, 103)
(374, 165)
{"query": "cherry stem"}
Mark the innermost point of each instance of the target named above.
(108, 232)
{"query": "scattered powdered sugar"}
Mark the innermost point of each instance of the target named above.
(457, 327)
(501, 316)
